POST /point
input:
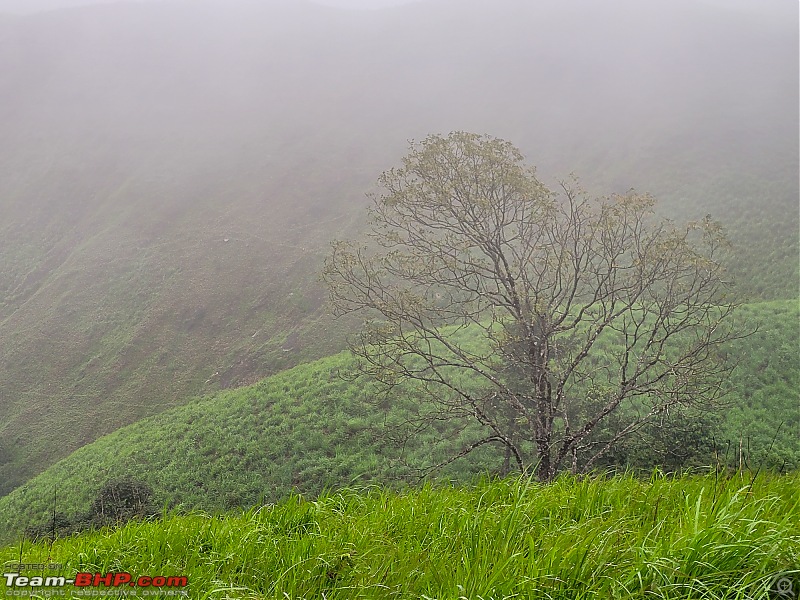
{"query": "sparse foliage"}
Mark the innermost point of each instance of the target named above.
(590, 307)
(121, 500)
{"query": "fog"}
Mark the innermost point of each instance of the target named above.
(34, 6)
(172, 173)
(766, 7)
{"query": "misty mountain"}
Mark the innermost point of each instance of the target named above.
(171, 173)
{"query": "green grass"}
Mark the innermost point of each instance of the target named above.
(621, 537)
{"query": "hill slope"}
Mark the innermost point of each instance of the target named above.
(172, 172)
(307, 428)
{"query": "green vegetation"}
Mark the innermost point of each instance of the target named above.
(164, 218)
(709, 537)
(308, 428)
(122, 174)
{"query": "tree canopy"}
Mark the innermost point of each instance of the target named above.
(591, 307)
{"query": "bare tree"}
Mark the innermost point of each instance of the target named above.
(587, 307)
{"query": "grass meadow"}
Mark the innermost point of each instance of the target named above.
(709, 536)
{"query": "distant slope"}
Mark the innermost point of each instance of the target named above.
(171, 173)
(308, 428)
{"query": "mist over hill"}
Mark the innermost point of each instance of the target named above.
(171, 173)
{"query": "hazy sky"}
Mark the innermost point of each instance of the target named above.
(360, 4)
(31, 6)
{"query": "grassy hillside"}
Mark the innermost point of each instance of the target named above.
(172, 172)
(691, 537)
(309, 428)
